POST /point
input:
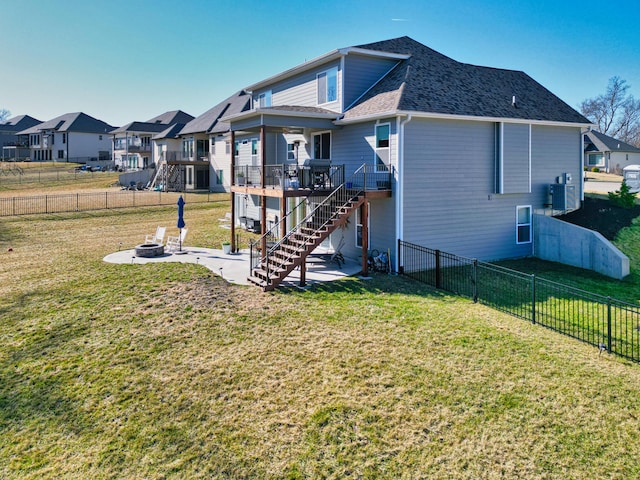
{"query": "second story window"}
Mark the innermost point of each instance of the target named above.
(327, 86)
(264, 99)
(382, 147)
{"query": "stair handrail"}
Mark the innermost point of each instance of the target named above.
(351, 193)
(253, 263)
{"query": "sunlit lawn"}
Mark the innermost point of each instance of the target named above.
(167, 371)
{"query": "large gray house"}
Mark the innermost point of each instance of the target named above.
(371, 144)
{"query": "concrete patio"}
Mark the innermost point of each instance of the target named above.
(234, 267)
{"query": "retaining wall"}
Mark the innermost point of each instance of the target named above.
(563, 242)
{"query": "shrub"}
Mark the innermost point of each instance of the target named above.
(595, 169)
(623, 197)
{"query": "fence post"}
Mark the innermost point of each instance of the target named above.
(609, 324)
(400, 260)
(474, 280)
(437, 268)
(106, 200)
(77, 202)
(46, 203)
(533, 298)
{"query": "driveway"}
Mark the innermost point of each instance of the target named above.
(601, 187)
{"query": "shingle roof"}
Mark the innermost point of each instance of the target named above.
(209, 121)
(171, 117)
(71, 122)
(172, 132)
(605, 143)
(141, 127)
(431, 82)
(19, 123)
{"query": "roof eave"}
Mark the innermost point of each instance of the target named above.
(444, 116)
(327, 57)
(279, 113)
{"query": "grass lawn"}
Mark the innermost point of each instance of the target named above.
(29, 178)
(166, 371)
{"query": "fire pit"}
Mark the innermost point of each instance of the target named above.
(149, 250)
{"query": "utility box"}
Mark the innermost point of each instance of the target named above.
(563, 196)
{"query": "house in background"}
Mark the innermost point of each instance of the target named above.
(16, 147)
(72, 137)
(200, 159)
(608, 154)
(368, 145)
(132, 146)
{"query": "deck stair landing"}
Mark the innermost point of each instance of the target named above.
(282, 256)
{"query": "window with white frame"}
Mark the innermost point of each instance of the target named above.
(291, 151)
(322, 146)
(523, 224)
(264, 99)
(382, 149)
(327, 86)
(596, 160)
(254, 152)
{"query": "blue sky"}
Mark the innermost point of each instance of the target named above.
(126, 60)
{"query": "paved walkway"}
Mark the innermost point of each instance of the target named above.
(234, 268)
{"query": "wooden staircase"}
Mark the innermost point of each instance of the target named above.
(282, 256)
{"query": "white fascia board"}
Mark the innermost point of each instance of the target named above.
(279, 113)
(374, 53)
(444, 116)
(327, 57)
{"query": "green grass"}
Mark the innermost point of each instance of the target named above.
(166, 371)
(28, 178)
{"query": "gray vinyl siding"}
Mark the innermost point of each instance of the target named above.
(448, 185)
(302, 89)
(554, 151)
(361, 73)
(515, 158)
(354, 145)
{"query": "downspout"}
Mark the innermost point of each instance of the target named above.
(582, 132)
(399, 193)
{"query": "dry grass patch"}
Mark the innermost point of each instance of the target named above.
(167, 371)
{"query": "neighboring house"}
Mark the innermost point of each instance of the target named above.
(198, 156)
(132, 146)
(72, 137)
(16, 147)
(394, 141)
(608, 154)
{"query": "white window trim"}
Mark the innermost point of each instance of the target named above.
(313, 143)
(326, 73)
(530, 224)
(267, 95)
(376, 149)
(600, 164)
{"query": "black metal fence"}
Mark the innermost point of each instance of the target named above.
(607, 323)
(82, 202)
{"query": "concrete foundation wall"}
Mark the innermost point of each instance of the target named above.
(562, 242)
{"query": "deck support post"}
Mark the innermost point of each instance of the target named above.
(364, 220)
(234, 247)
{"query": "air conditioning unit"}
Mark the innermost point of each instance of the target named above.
(563, 196)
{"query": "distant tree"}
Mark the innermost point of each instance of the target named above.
(616, 112)
(4, 114)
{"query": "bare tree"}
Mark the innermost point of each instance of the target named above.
(616, 113)
(4, 114)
